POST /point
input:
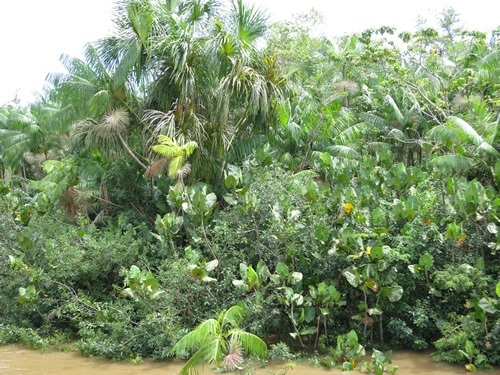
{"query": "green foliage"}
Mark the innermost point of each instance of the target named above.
(460, 337)
(280, 351)
(27, 336)
(348, 349)
(219, 342)
(382, 363)
(333, 185)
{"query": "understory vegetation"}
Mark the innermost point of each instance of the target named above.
(203, 184)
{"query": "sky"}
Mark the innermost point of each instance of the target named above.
(34, 33)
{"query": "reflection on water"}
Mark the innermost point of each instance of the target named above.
(16, 360)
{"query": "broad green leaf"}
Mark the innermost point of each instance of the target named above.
(253, 278)
(322, 233)
(240, 284)
(393, 293)
(376, 253)
(276, 279)
(413, 268)
(198, 273)
(324, 311)
(492, 228)
(263, 271)
(243, 270)
(307, 331)
(298, 299)
(282, 270)
(352, 276)
(208, 279)
(230, 182)
(151, 283)
(229, 198)
(470, 367)
(487, 305)
(498, 289)
(380, 230)
(426, 261)
(309, 314)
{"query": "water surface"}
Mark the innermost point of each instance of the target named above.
(17, 360)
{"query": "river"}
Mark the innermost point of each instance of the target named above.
(17, 360)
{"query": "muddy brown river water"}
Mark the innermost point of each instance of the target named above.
(17, 360)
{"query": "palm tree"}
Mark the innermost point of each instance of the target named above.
(403, 127)
(218, 342)
(208, 81)
(127, 50)
(19, 134)
(95, 104)
(465, 147)
(88, 89)
(106, 135)
(176, 155)
(27, 140)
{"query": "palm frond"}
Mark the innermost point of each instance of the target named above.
(164, 150)
(472, 134)
(379, 147)
(453, 162)
(234, 358)
(192, 340)
(160, 123)
(374, 120)
(174, 165)
(252, 344)
(99, 101)
(397, 112)
(443, 134)
(397, 134)
(343, 151)
(487, 148)
(249, 22)
(232, 316)
(245, 147)
(193, 365)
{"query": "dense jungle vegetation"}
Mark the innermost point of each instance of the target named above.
(311, 192)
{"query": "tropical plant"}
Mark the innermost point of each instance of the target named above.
(347, 352)
(219, 342)
(175, 155)
(26, 141)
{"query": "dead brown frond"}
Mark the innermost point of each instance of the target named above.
(156, 168)
(234, 358)
(34, 159)
(347, 86)
(459, 102)
(112, 124)
(183, 171)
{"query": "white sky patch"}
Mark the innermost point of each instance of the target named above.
(34, 33)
